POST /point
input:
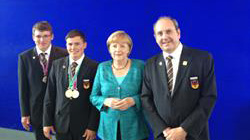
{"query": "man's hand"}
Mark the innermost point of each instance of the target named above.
(26, 122)
(165, 131)
(89, 134)
(125, 103)
(47, 130)
(175, 134)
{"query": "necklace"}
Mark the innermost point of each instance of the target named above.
(121, 67)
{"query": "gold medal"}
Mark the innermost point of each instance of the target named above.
(75, 94)
(69, 93)
(86, 83)
(45, 78)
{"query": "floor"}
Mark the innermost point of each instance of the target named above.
(11, 134)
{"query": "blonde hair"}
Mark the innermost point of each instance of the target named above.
(120, 36)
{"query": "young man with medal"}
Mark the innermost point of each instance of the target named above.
(33, 68)
(67, 109)
(179, 87)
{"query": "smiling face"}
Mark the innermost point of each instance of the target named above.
(42, 39)
(166, 35)
(75, 47)
(119, 45)
(119, 50)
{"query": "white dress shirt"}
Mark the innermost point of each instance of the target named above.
(47, 51)
(175, 61)
(79, 61)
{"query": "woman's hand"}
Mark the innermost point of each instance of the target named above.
(121, 104)
(111, 102)
(125, 103)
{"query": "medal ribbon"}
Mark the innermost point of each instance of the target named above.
(73, 80)
(45, 69)
(45, 66)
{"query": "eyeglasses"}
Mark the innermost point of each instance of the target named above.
(44, 36)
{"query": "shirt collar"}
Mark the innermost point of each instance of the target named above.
(79, 61)
(47, 51)
(176, 54)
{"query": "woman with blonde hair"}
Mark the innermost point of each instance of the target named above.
(116, 92)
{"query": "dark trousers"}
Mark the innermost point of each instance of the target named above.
(119, 133)
(38, 131)
(69, 136)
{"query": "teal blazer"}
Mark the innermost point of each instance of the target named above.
(132, 122)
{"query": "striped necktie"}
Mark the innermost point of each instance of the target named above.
(73, 68)
(170, 73)
(43, 60)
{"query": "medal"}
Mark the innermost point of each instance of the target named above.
(75, 94)
(69, 93)
(72, 92)
(45, 78)
(44, 63)
(86, 83)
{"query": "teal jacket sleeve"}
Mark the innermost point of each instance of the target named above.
(96, 97)
(136, 97)
(137, 101)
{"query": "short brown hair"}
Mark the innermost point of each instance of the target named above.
(42, 26)
(118, 36)
(74, 33)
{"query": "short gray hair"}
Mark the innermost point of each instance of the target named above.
(176, 24)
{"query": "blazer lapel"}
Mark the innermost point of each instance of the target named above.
(185, 61)
(52, 57)
(163, 72)
(36, 61)
(65, 82)
(83, 69)
(65, 78)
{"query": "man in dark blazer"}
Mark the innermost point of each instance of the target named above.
(32, 75)
(179, 88)
(67, 108)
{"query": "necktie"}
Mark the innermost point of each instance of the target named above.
(44, 63)
(170, 73)
(73, 68)
(43, 59)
